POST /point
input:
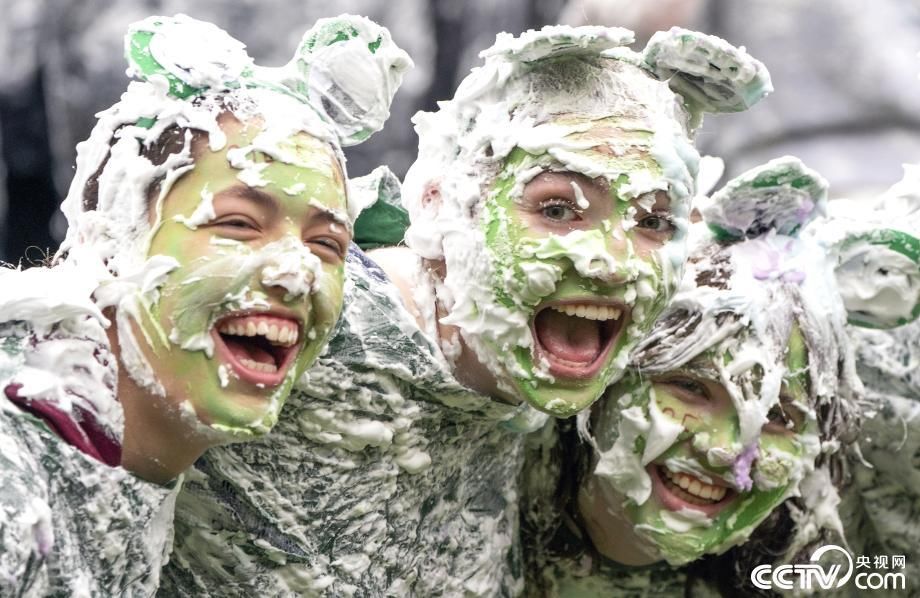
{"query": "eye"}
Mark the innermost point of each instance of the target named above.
(687, 389)
(559, 210)
(658, 223)
(784, 417)
(236, 222)
(328, 245)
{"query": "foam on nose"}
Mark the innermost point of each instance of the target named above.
(291, 266)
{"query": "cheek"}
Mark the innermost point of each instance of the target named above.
(329, 296)
(780, 458)
(648, 245)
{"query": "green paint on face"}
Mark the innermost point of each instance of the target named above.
(709, 446)
(603, 258)
(267, 250)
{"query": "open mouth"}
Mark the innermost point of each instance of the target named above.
(576, 337)
(679, 490)
(258, 347)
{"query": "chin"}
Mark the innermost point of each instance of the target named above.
(242, 416)
(562, 400)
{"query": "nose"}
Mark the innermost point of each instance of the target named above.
(289, 268)
(600, 258)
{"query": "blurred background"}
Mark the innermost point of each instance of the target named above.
(847, 97)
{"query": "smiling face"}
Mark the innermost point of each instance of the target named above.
(707, 492)
(255, 284)
(579, 261)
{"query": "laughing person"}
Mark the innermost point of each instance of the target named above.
(201, 274)
(729, 436)
(548, 207)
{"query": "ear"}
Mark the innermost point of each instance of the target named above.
(189, 55)
(878, 274)
(350, 69)
(382, 221)
(782, 195)
(708, 72)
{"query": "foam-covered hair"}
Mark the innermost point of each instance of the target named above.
(584, 73)
(337, 88)
(754, 272)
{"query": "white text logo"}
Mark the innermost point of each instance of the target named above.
(813, 575)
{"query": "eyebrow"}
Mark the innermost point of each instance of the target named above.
(243, 191)
(326, 215)
(655, 195)
(702, 370)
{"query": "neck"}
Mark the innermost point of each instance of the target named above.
(468, 369)
(612, 534)
(159, 443)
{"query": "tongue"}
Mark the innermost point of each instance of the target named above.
(569, 338)
(248, 350)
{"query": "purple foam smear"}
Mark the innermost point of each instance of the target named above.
(803, 214)
(741, 468)
(769, 261)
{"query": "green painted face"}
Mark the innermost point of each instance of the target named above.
(707, 492)
(257, 280)
(585, 263)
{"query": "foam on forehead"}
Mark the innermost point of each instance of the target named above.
(192, 73)
(556, 74)
(119, 225)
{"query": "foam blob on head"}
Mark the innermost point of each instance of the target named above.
(555, 188)
(877, 243)
(744, 384)
(215, 191)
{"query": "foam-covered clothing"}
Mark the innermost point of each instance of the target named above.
(882, 510)
(383, 476)
(72, 522)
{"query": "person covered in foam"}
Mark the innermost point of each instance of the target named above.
(203, 271)
(549, 204)
(548, 209)
(878, 268)
(727, 443)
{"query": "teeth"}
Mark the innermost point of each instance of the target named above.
(590, 312)
(268, 368)
(278, 332)
(692, 489)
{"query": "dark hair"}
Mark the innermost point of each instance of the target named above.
(170, 141)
